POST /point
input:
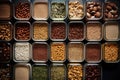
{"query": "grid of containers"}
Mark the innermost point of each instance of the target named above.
(57, 37)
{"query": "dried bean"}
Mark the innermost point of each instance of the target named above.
(22, 10)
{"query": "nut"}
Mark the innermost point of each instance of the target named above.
(76, 10)
(111, 10)
(94, 10)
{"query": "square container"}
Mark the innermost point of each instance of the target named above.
(40, 72)
(5, 9)
(111, 52)
(5, 52)
(40, 10)
(58, 31)
(6, 31)
(75, 52)
(40, 31)
(58, 10)
(93, 72)
(94, 9)
(75, 71)
(22, 31)
(40, 51)
(111, 31)
(76, 31)
(93, 52)
(5, 71)
(22, 52)
(22, 9)
(22, 71)
(76, 9)
(57, 72)
(94, 31)
(112, 10)
(57, 52)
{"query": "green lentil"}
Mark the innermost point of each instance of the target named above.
(58, 10)
(57, 73)
(39, 73)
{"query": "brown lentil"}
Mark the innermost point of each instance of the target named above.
(22, 31)
(5, 32)
(76, 31)
(5, 52)
(22, 10)
(75, 72)
(40, 31)
(58, 51)
(111, 53)
(58, 31)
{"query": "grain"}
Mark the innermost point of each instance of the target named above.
(22, 51)
(111, 53)
(75, 52)
(58, 52)
(94, 31)
(75, 72)
(40, 31)
(111, 31)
